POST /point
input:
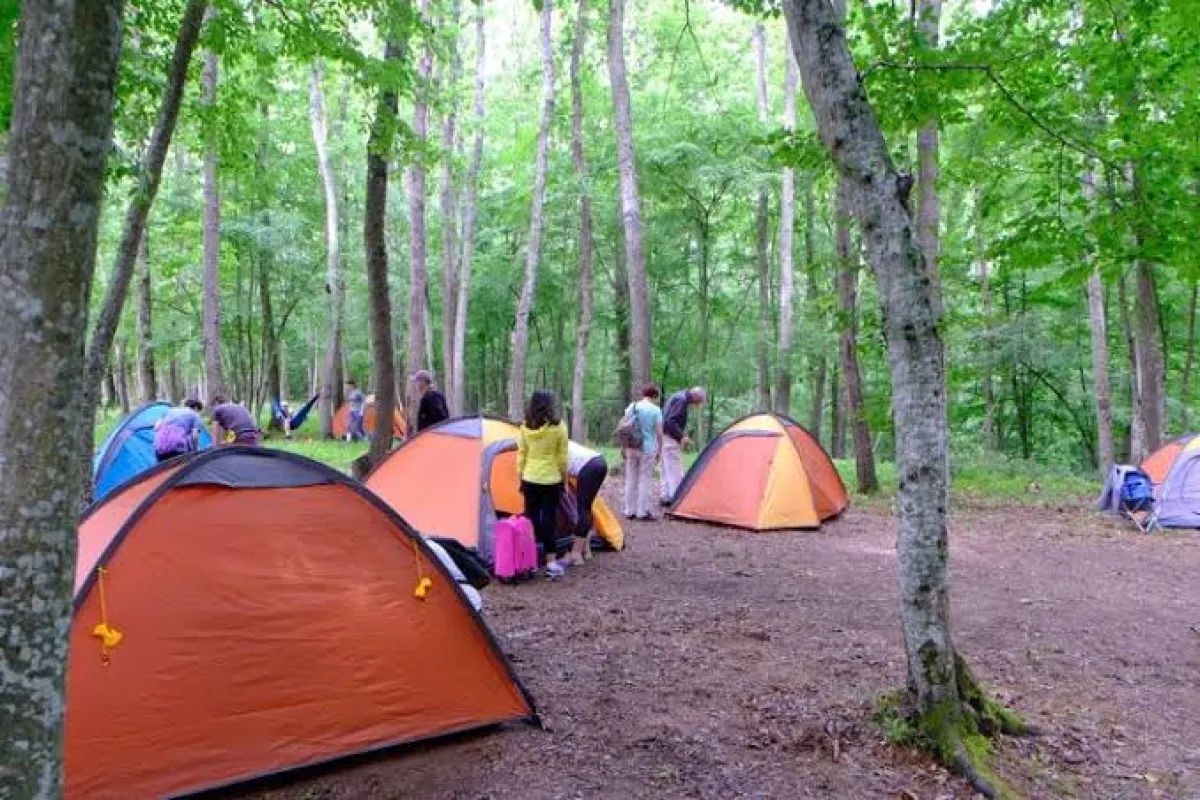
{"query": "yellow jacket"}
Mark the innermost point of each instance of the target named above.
(542, 454)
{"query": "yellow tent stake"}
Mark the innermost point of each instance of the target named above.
(109, 636)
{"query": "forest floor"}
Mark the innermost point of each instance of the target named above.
(713, 663)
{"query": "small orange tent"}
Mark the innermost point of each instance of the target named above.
(264, 613)
(763, 472)
(341, 421)
(454, 478)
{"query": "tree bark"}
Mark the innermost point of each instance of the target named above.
(335, 282)
(991, 441)
(214, 376)
(520, 334)
(449, 209)
(1137, 436)
(418, 281)
(620, 285)
(470, 207)
(864, 456)
(635, 262)
(837, 412)
(762, 239)
(929, 210)
(379, 149)
(175, 388)
(149, 178)
(585, 245)
(817, 367)
(1099, 332)
(1185, 383)
(787, 263)
(59, 140)
(850, 130)
(147, 382)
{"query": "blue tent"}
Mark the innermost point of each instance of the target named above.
(129, 449)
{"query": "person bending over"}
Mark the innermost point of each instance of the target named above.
(542, 463)
(178, 431)
(232, 423)
(675, 438)
(589, 469)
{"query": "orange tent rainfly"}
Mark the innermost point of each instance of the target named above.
(341, 421)
(247, 612)
(455, 478)
(763, 472)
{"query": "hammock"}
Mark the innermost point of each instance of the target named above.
(297, 419)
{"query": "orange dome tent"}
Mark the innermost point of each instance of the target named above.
(454, 478)
(263, 612)
(341, 420)
(763, 472)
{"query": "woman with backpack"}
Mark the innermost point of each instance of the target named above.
(641, 437)
(542, 462)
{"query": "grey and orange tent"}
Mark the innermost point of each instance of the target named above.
(244, 612)
(763, 472)
(1175, 470)
(341, 420)
(456, 478)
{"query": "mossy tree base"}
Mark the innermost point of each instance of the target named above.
(958, 734)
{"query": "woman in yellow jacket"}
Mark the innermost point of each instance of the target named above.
(542, 461)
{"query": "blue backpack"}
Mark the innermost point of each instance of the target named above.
(1137, 491)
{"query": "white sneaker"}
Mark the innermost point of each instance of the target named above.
(554, 570)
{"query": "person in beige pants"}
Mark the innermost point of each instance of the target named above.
(639, 463)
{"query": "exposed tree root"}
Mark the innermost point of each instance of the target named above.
(958, 734)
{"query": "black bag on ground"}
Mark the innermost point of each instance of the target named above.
(472, 568)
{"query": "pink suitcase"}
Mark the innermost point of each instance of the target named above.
(515, 550)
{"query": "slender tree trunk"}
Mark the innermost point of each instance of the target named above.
(449, 209)
(635, 263)
(837, 412)
(1099, 331)
(620, 286)
(787, 265)
(585, 245)
(58, 145)
(762, 240)
(418, 281)
(335, 282)
(939, 680)
(1137, 430)
(929, 210)
(864, 456)
(147, 382)
(272, 374)
(817, 367)
(214, 376)
(1185, 383)
(175, 389)
(109, 392)
(705, 319)
(520, 335)
(379, 149)
(991, 442)
(468, 233)
(1150, 355)
(149, 178)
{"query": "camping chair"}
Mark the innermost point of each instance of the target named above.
(1139, 501)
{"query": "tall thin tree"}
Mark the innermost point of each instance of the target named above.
(211, 328)
(585, 244)
(138, 212)
(929, 207)
(631, 214)
(418, 274)
(1098, 325)
(147, 382)
(335, 281)
(470, 204)
(864, 456)
(449, 202)
(787, 256)
(520, 334)
(762, 238)
(942, 688)
(59, 140)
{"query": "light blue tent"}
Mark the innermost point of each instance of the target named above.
(129, 449)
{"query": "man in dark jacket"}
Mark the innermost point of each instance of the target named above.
(432, 408)
(675, 438)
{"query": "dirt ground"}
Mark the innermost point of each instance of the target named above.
(713, 663)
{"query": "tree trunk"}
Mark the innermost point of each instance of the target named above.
(470, 207)
(449, 211)
(864, 456)
(520, 334)
(929, 210)
(379, 149)
(991, 442)
(122, 376)
(418, 281)
(1137, 435)
(1099, 330)
(787, 264)
(762, 226)
(175, 388)
(837, 412)
(149, 177)
(58, 145)
(940, 684)
(635, 263)
(1147, 342)
(272, 376)
(620, 285)
(212, 245)
(817, 362)
(335, 282)
(585, 246)
(1185, 383)
(705, 306)
(147, 382)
